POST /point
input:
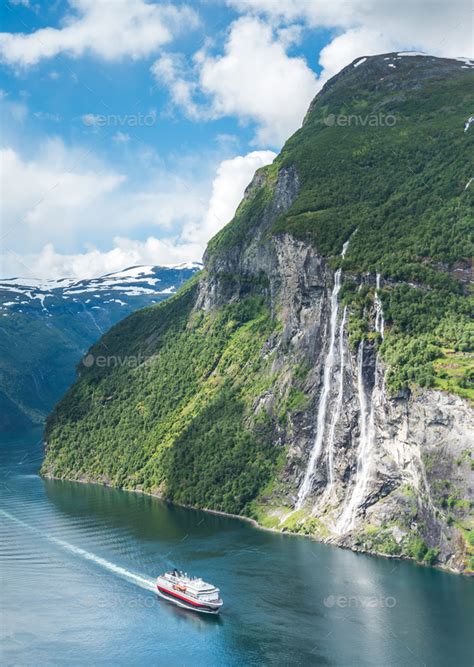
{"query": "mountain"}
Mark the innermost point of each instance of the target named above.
(47, 325)
(317, 374)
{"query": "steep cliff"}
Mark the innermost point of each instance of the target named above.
(301, 378)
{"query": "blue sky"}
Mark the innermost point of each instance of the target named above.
(131, 127)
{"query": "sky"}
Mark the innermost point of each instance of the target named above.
(130, 128)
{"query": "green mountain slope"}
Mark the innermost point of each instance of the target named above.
(47, 326)
(225, 396)
(383, 151)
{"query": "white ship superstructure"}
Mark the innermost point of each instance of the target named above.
(189, 592)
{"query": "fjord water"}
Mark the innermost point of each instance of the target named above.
(78, 561)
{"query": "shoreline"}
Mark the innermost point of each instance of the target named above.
(259, 526)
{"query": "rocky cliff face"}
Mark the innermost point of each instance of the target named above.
(297, 380)
(389, 474)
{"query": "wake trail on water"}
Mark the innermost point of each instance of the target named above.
(143, 582)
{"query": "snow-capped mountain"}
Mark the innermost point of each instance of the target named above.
(61, 319)
(150, 283)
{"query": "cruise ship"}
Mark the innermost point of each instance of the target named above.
(189, 592)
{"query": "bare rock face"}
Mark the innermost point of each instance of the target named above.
(364, 469)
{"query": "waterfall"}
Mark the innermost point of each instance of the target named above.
(305, 487)
(379, 321)
(338, 406)
(345, 245)
(323, 400)
(367, 440)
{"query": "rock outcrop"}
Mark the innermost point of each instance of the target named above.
(294, 381)
(393, 473)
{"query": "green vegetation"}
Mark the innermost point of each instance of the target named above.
(181, 422)
(40, 346)
(454, 372)
(191, 420)
(431, 556)
(380, 540)
(402, 186)
(247, 217)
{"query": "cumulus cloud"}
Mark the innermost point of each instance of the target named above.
(254, 79)
(228, 187)
(110, 30)
(68, 197)
(171, 70)
(51, 204)
(374, 26)
(39, 192)
(93, 263)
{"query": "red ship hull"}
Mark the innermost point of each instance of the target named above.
(183, 601)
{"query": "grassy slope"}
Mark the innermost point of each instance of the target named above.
(182, 423)
(402, 186)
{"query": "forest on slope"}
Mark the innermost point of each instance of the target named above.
(184, 424)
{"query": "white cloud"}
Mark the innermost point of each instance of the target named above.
(437, 27)
(109, 30)
(12, 111)
(121, 137)
(171, 70)
(353, 43)
(124, 253)
(228, 187)
(68, 197)
(254, 79)
(64, 199)
(46, 193)
(313, 13)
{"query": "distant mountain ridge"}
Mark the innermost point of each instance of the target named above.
(47, 325)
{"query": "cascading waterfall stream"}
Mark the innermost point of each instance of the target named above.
(337, 409)
(305, 487)
(379, 320)
(367, 440)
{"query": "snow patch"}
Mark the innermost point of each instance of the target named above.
(469, 62)
(132, 272)
(360, 62)
(412, 53)
(184, 265)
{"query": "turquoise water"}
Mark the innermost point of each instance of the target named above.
(78, 564)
